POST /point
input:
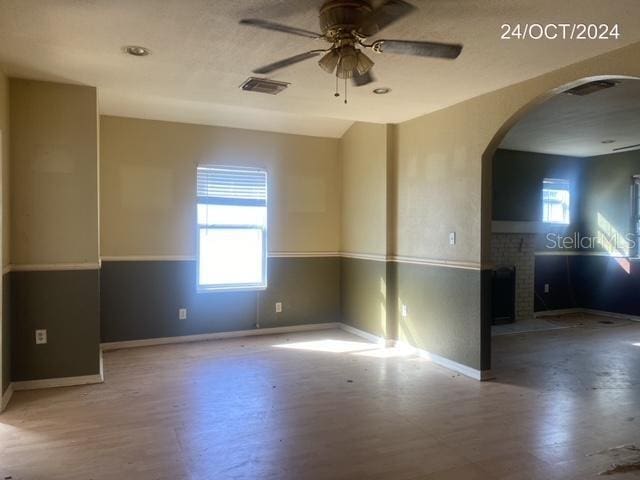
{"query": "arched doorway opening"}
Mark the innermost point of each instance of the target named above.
(547, 205)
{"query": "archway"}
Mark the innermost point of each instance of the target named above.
(488, 178)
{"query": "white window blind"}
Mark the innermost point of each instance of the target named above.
(232, 186)
(232, 228)
(556, 199)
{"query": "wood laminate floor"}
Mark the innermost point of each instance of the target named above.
(328, 405)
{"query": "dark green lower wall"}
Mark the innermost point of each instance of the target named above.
(66, 304)
(140, 300)
(365, 293)
(446, 307)
(6, 331)
(444, 312)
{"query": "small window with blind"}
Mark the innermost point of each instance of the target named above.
(232, 228)
(556, 197)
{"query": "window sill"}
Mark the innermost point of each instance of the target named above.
(229, 289)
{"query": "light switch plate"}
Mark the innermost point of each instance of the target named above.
(41, 337)
(182, 313)
(278, 307)
(452, 238)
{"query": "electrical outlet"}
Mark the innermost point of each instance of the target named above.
(41, 337)
(182, 313)
(546, 288)
(405, 311)
(278, 307)
(452, 238)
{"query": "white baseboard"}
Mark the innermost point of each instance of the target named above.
(603, 313)
(6, 396)
(51, 383)
(57, 382)
(481, 375)
(437, 359)
(367, 336)
(109, 346)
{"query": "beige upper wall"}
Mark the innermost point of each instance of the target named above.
(4, 155)
(363, 158)
(54, 195)
(148, 179)
(439, 162)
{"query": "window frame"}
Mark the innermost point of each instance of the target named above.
(558, 182)
(213, 288)
(634, 251)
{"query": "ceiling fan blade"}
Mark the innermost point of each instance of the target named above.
(421, 49)
(272, 67)
(364, 79)
(278, 27)
(383, 16)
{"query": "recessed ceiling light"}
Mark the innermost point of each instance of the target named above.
(137, 51)
(608, 141)
(382, 91)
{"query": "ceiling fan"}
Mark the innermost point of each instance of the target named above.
(346, 25)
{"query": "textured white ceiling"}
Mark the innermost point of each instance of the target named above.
(201, 55)
(576, 126)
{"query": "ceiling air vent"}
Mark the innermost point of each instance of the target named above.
(264, 85)
(591, 87)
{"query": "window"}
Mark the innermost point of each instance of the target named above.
(232, 228)
(555, 201)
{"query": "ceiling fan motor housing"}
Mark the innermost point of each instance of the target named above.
(340, 18)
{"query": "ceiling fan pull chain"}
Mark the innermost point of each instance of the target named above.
(337, 94)
(345, 91)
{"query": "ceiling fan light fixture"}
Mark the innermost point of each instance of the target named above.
(364, 63)
(348, 62)
(330, 61)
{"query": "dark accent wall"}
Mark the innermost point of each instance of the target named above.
(557, 272)
(140, 300)
(607, 187)
(444, 306)
(517, 183)
(597, 282)
(601, 200)
(365, 296)
(606, 283)
(6, 332)
(66, 303)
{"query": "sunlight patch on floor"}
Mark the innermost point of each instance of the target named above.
(330, 345)
(362, 349)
